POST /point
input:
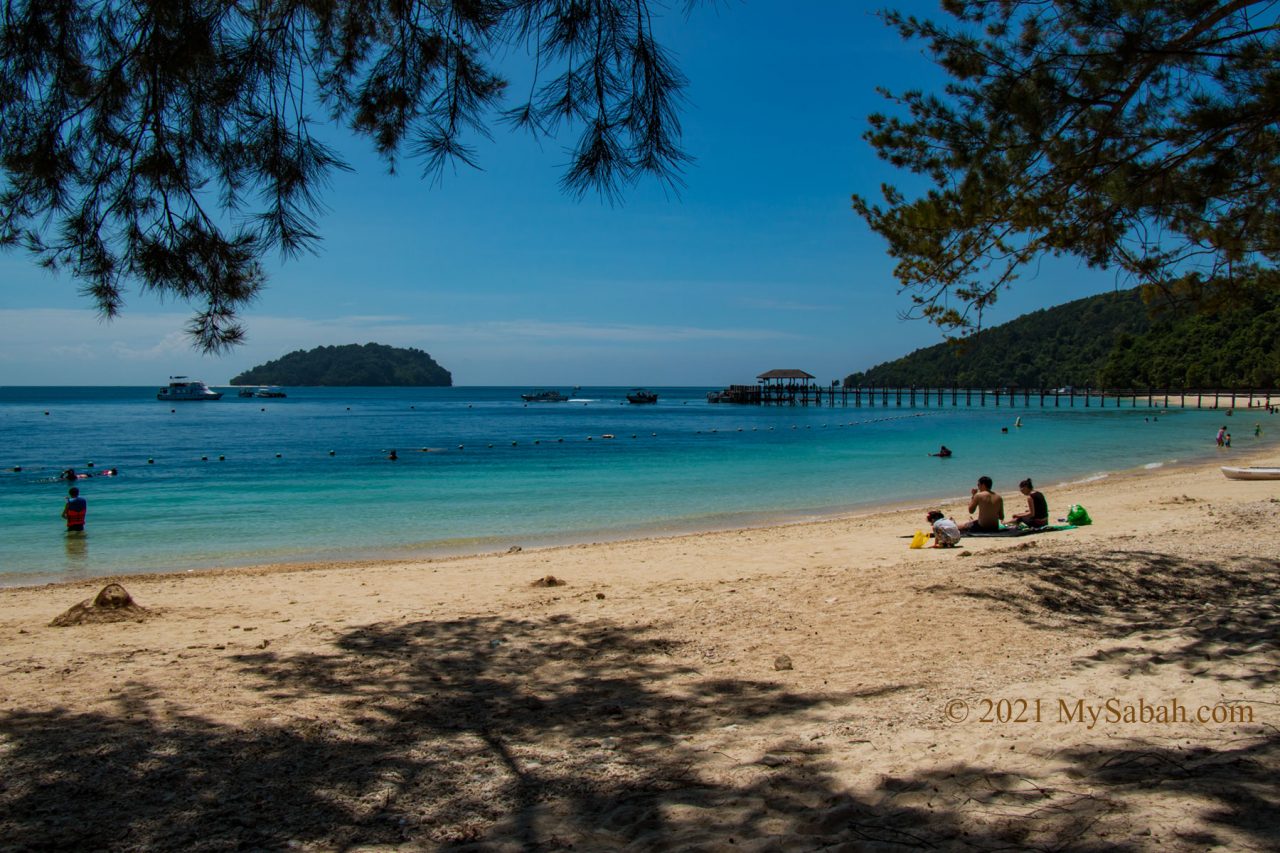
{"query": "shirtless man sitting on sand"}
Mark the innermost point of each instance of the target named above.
(989, 506)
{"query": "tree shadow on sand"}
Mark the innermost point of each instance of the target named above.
(1220, 611)
(543, 734)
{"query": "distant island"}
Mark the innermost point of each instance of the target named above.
(349, 366)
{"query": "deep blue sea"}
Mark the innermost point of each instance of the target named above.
(247, 481)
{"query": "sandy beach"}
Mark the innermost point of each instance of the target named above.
(814, 686)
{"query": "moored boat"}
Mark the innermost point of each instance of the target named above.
(543, 396)
(182, 389)
(270, 391)
(1252, 473)
(641, 396)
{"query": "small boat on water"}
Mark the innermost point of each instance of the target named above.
(270, 391)
(543, 396)
(182, 389)
(248, 392)
(1251, 473)
(641, 396)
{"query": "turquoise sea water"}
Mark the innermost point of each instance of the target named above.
(498, 472)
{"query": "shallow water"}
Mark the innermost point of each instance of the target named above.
(307, 477)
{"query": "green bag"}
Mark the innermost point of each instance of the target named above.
(1078, 515)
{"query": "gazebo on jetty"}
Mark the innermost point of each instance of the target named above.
(784, 386)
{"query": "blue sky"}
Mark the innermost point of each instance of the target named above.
(759, 263)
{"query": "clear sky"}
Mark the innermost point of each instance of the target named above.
(759, 263)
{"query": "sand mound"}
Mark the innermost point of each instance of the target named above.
(549, 580)
(112, 604)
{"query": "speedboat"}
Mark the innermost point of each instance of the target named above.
(542, 396)
(1251, 473)
(182, 389)
(248, 392)
(641, 396)
(270, 391)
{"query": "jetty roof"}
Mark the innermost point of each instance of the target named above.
(785, 374)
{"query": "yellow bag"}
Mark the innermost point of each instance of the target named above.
(919, 540)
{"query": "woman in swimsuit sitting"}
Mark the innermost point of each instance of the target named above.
(1037, 514)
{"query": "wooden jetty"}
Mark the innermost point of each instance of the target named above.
(792, 387)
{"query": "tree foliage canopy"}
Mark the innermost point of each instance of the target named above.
(350, 365)
(1139, 135)
(170, 144)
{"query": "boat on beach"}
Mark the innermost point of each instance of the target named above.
(182, 389)
(1253, 473)
(641, 396)
(544, 396)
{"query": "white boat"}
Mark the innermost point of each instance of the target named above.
(270, 391)
(182, 389)
(1251, 473)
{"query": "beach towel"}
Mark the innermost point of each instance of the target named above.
(1023, 531)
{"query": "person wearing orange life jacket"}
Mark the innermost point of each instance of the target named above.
(75, 510)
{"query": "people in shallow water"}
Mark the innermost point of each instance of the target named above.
(71, 476)
(943, 451)
(74, 510)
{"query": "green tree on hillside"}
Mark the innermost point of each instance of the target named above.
(1138, 135)
(169, 145)
(1107, 341)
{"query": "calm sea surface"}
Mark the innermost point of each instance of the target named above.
(307, 477)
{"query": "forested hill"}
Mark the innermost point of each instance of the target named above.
(1105, 341)
(350, 365)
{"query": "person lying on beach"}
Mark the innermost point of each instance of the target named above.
(1037, 514)
(989, 506)
(946, 533)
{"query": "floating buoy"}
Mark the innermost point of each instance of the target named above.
(537, 441)
(261, 410)
(150, 461)
(607, 435)
(204, 458)
(222, 458)
(559, 441)
(330, 452)
(171, 411)
(277, 455)
(459, 446)
(17, 469)
(514, 444)
(46, 414)
(413, 407)
(88, 464)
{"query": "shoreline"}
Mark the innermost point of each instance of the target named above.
(955, 505)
